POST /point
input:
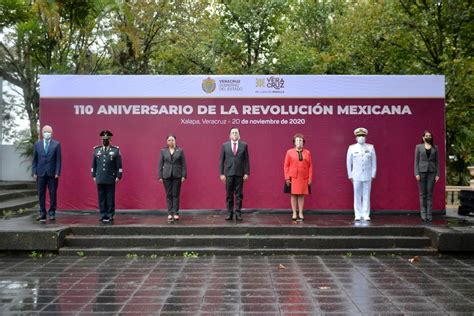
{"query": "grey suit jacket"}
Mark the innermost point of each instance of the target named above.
(172, 166)
(422, 163)
(238, 165)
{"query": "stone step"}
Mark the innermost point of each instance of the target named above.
(6, 195)
(17, 185)
(206, 251)
(240, 230)
(248, 242)
(19, 203)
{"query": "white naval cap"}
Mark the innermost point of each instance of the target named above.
(360, 131)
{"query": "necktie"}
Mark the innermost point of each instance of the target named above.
(46, 146)
(235, 149)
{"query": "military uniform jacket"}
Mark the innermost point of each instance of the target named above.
(361, 162)
(106, 164)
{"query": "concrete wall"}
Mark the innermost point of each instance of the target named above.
(12, 166)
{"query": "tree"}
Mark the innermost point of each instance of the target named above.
(12, 110)
(17, 67)
(190, 41)
(142, 29)
(248, 34)
(12, 12)
(413, 37)
(166, 37)
(306, 40)
(441, 41)
(48, 37)
(246, 37)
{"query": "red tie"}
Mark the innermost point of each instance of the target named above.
(235, 149)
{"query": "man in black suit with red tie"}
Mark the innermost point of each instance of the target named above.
(234, 170)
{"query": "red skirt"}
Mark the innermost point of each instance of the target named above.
(299, 186)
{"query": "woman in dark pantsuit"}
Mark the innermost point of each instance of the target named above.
(172, 172)
(426, 173)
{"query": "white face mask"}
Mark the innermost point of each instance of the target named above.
(47, 135)
(298, 142)
(361, 139)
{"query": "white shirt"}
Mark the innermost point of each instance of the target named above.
(236, 145)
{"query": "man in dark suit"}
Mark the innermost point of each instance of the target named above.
(46, 169)
(234, 170)
(106, 172)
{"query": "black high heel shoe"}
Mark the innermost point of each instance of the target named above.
(300, 219)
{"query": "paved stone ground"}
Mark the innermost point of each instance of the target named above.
(286, 285)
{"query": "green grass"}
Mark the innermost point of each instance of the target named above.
(190, 254)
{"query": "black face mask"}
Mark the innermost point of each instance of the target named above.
(106, 142)
(429, 140)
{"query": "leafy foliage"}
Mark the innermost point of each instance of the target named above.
(246, 37)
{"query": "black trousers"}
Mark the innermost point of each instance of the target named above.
(172, 189)
(234, 185)
(50, 183)
(106, 200)
(426, 186)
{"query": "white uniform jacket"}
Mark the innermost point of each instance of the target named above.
(361, 162)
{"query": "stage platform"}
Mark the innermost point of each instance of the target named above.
(148, 233)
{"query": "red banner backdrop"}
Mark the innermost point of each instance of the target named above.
(201, 124)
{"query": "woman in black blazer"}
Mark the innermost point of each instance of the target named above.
(426, 173)
(172, 172)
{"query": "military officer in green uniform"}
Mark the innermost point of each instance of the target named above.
(106, 172)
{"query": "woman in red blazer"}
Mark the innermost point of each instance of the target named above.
(298, 170)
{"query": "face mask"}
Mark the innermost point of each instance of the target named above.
(106, 142)
(298, 143)
(428, 140)
(47, 135)
(361, 139)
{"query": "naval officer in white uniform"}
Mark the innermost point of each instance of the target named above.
(361, 168)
